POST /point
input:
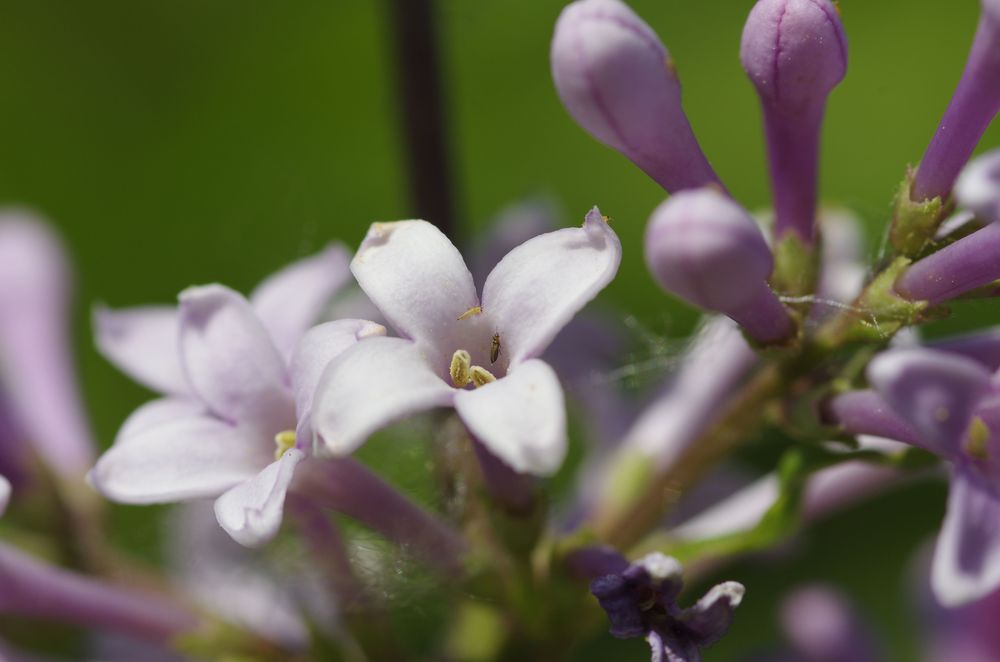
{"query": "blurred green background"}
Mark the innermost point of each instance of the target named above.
(186, 142)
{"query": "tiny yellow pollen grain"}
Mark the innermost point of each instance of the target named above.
(461, 362)
(284, 441)
(481, 376)
(471, 312)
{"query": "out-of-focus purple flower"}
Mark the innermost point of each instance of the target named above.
(978, 186)
(616, 79)
(236, 583)
(981, 346)
(236, 386)
(972, 261)
(704, 248)
(823, 626)
(795, 53)
(972, 108)
(4, 494)
(951, 405)
(641, 601)
(38, 374)
(452, 339)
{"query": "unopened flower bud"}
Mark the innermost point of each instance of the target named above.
(972, 108)
(978, 186)
(704, 248)
(969, 263)
(795, 53)
(617, 81)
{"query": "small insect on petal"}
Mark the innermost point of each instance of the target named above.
(471, 312)
(495, 348)
(481, 376)
(461, 362)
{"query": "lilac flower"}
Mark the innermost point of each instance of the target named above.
(823, 626)
(972, 108)
(236, 387)
(453, 340)
(641, 601)
(969, 263)
(795, 53)
(705, 248)
(38, 375)
(978, 186)
(4, 494)
(949, 406)
(617, 81)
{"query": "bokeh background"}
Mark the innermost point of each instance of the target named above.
(184, 142)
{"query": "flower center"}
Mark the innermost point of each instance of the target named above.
(283, 441)
(463, 372)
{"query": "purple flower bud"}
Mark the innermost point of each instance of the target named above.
(704, 248)
(617, 81)
(972, 108)
(971, 262)
(866, 412)
(34, 349)
(795, 53)
(982, 346)
(978, 186)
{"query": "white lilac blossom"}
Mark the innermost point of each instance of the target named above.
(237, 388)
(973, 106)
(948, 404)
(795, 53)
(36, 365)
(617, 80)
(641, 601)
(704, 248)
(457, 349)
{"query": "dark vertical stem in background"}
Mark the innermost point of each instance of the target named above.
(422, 111)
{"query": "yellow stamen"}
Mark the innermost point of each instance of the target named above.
(461, 362)
(481, 376)
(284, 441)
(977, 440)
(471, 312)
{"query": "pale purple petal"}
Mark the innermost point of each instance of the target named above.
(179, 459)
(967, 559)
(935, 392)
(372, 384)
(293, 299)
(38, 373)
(540, 285)
(142, 343)
(982, 346)
(317, 348)
(251, 512)
(159, 412)
(229, 358)
(4, 494)
(823, 626)
(521, 418)
(419, 281)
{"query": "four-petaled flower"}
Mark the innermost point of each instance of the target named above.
(239, 377)
(457, 349)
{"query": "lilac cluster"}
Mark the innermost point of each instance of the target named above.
(263, 400)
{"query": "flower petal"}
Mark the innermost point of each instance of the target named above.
(292, 300)
(967, 558)
(142, 343)
(540, 285)
(317, 348)
(419, 281)
(229, 358)
(710, 617)
(251, 512)
(521, 418)
(372, 384)
(177, 459)
(935, 392)
(4, 494)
